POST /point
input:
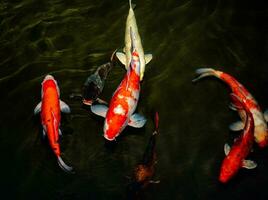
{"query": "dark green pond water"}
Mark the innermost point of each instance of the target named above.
(70, 38)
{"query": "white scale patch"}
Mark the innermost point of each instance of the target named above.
(258, 117)
(130, 102)
(120, 96)
(135, 94)
(106, 126)
(119, 110)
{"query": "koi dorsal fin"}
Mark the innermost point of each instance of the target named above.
(55, 124)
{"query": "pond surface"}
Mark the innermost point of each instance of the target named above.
(69, 39)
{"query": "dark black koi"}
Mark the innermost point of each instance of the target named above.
(145, 170)
(94, 84)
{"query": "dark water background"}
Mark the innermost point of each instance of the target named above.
(70, 38)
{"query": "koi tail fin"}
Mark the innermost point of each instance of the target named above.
(204, 72)
(156, 123)
(131, 5)
(63, 166)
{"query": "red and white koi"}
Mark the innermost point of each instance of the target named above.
(124, 101)
(260, 118)
(235, 156)
(50, 109)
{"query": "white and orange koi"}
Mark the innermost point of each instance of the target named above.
(260, 118)
(124, 101)
(50, 109)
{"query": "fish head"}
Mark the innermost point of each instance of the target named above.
(229, 168)
(110, 132)
(108, 137)
(91, 90)
(90, 93)
(49, 81)
(225, 175)
(261, 136)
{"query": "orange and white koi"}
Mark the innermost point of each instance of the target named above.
(50, 109)
(124, 101)
(260, 118)
(235, 156)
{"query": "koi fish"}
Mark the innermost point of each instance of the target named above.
(94, 84)
(50, 109)
(260, 118)
(235, 156)
(125, 58)
(145, 170)
(124, 102)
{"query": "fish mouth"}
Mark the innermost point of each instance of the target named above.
(107, 138)
(223, 179)
(87, 102)
(49, 77)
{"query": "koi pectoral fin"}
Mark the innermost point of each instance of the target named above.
(64, 107)
(99, 109)
(249, 164)
(60, 133)
(121, 57)
(232, 107)
(38, 108)
(101, 101)
(236, 126)
(154, 182)
(44, 132)
(227, 149)
(137, 120)
(266, 115)
(148, 58)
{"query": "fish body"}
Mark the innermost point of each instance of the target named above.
(260, 132)
(50, 110)
(123, 103)
(145, 170)
(125, 58)
(235, 156)
(94, 84)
